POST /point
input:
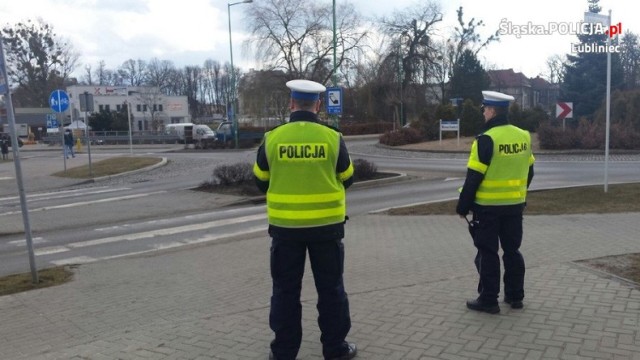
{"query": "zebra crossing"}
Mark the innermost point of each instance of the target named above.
(128, 238)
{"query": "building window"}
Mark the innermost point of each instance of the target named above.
(107, 108)
(155, 107)
(160, 107)
(100, 108)
(138, 108)
(144, 108)
(118, 107)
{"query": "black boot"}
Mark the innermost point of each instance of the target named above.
(478, 305)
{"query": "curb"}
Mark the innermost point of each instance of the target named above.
(162, 162)
(261, 199)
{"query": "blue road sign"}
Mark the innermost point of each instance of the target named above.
(59, 100)
(52, 122)
(334, 101)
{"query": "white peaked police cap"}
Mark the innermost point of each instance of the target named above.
(494, 98)
(305, 89)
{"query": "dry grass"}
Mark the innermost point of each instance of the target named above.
(108, 167)
(578, 200)
(23, 282)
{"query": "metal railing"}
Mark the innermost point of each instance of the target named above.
(117, 138)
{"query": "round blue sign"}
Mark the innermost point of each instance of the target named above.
(59, 100)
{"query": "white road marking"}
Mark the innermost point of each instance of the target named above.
(159, 247)
(74, 260)
(23, 242)
(51, 250)
(82, 203)
(167, 231)
(56, 194)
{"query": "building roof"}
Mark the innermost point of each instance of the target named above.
(507, 78)
(540, 83)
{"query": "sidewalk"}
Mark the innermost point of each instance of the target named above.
(407, 277)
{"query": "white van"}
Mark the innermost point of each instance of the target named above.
(191, 133)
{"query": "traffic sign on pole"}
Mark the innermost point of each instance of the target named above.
(564, 110)
(334, 101)
(52, 124)
(59, 100)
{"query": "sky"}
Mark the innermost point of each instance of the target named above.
(191, 31)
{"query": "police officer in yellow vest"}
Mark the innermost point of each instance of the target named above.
(499, 171)
(304, 168)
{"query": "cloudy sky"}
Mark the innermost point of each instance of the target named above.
(190, 31)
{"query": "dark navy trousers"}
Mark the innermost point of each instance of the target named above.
(287, 268)
(499, 226)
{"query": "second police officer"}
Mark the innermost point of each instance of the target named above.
(499, 171)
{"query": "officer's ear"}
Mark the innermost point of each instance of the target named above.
(291, 105)
(318, 103)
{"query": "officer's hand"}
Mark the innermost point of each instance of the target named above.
(462, 212)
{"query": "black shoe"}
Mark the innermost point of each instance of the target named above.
(477, 305)
(353, 351)
(515, 304)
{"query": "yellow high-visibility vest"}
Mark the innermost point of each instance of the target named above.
(505, 179)
(304, 189)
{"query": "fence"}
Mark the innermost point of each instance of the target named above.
(118, 137)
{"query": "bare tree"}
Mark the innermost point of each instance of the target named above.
(88, 75)
(158, 73)
(104, 76)
(296, 36)
(465, 37)
(413, 31)
(133, 72)
(555, 69)
(214, 85)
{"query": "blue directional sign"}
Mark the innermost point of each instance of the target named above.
(59, 101)
(334, 101)
(52, 123)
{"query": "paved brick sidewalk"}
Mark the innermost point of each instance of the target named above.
(407, 277)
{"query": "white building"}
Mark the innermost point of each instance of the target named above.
(150, 110)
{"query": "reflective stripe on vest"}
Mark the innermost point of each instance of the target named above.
(505, 179)
(304, 189)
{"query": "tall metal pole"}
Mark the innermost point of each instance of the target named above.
(233, 82)
(335, 41)
(129, 122)
(336, 124)
(234, 113)
(608, 119)
(4, 90)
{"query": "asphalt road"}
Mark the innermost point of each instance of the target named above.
(157, 210)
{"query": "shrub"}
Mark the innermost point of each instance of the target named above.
(402, 136)
(363, 170)
(623, 136)
(530, 119)
(365, 128)
(554, 138)
(233, 174)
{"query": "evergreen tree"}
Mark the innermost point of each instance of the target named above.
(471, 119)
(585, 78)
(469, 78)
(38, 62)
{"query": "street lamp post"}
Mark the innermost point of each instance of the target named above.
(234, 118)
(129, 123)
(129, 120)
